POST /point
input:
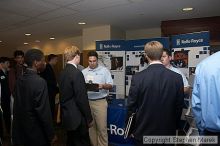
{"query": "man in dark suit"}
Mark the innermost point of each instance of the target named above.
(49, 76)
(1, 114)
(32, 121)
(75, 110)
(156, 95)
(5, 94)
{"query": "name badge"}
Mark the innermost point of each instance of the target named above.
(90, 78)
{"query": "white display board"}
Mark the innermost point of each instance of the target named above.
(189, 50)
(115, 62)
(134, 63)
(186, 59)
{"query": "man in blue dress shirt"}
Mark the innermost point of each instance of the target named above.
(206, 96)
(100, 75)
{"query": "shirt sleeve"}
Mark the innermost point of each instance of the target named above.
(42, 108)
(185, 81)
(196, 104)
(109, 79)
(82, 97)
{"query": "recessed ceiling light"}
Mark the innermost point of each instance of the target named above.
(27, 34)
(25, 43)
(37, 41)
(187, 9)
(0, 41)
(82, 23)
(52, 38)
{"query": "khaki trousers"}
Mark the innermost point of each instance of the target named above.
(98, 132)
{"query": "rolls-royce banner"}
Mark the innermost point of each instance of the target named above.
(134, 45)
(191, 40)
(128, 45)
(116, 123)
(189, 50)
(110, 45)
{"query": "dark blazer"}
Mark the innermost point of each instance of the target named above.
(32, 121)
(5, 100)
(49, 75)
(5, 91)
(74, 99)
(157, 95)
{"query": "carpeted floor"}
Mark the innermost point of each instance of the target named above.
(59, 132)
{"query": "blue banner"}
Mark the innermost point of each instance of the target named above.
(191, 40)
(116, 119)
(136, 45)
(110, 45)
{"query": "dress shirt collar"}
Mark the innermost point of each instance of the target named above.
(30, 70)
(69, 62)
(4, 71)
(95, 69)
(155, 62)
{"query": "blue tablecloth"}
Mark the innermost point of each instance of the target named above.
(116, 122)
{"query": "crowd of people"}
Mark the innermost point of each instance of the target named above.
(29, 87)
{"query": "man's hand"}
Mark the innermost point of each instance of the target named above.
(101, 86)
(54, 139)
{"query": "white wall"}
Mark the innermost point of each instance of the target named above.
(56, 46)
(117, 34)
(90, 35)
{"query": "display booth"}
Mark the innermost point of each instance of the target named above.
(187, 51)
(124, 58)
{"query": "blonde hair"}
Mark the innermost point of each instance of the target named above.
(70, 52)
(154, 50)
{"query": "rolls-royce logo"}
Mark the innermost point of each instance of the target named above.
(178, 42)
(101, 46)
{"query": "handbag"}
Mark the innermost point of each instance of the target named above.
(130, 125)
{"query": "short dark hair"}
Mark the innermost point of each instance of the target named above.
(51, 56)
(4, 59)
(168, 52)
(93, 53)
(18, 53)
(33, 55)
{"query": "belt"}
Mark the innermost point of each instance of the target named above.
(98, 98)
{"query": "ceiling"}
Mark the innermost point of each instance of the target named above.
(59, 18)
